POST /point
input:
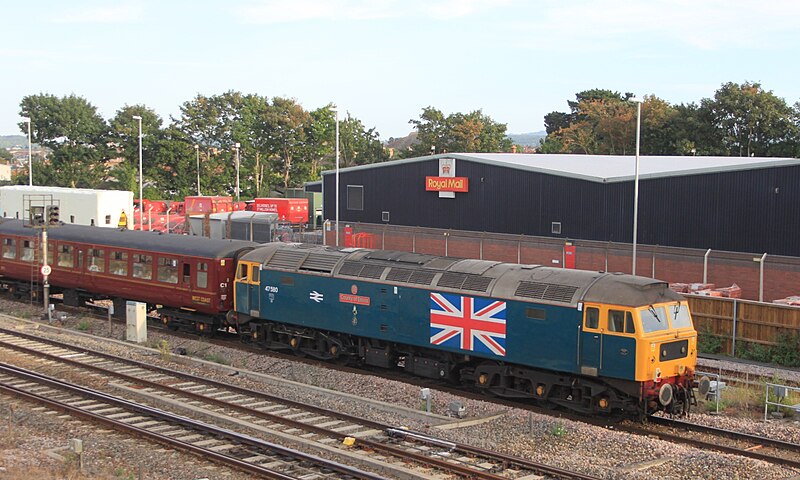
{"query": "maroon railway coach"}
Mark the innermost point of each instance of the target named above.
(193, 275)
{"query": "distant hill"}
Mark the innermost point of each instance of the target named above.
(527, 139)
(7, 141)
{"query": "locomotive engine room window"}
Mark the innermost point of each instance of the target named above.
(142, 266)
(97, 260)
(9, 248)
(620, 321)
(355, 197)
(202, 275)
(592, 317)
(27, 251)
(536, 313)
(118, 263)
(66, 258)
(167, 270)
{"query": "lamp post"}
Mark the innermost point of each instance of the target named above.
(30, 154)
(197, 152)
(236, 146)
(336, 112)
(141, 201)
(636, 182)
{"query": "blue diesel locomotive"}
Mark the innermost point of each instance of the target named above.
(592, 342)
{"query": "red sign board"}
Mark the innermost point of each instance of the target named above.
(447, 184)
(354, 299)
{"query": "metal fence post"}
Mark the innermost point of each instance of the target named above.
(733, 336)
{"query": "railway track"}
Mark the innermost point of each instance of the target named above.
(252, 455)
(747, 445)
(287, 417)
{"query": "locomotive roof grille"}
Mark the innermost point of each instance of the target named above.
(476, 283)
(287, 259)
(372, 271)
(351, 268)
(546, 291)
(422, 277)
(320, 262)
(397, 274)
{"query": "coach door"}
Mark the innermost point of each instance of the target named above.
(591, 342)
(248, 288)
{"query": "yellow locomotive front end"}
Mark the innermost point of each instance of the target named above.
(666, 357)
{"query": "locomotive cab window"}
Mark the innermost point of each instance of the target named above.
(9, 248)
(679, 316)
(592, 318)
(255, 274)
(241, 274)
(620, 321)
(653, 319)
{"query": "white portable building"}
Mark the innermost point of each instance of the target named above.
(81, 206)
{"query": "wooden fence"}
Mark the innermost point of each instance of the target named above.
(735, 320)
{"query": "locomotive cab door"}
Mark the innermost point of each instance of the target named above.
(591, 342)
(248, 281)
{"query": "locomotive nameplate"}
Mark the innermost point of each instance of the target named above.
(354, 299)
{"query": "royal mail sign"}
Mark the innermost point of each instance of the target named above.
(447, 184)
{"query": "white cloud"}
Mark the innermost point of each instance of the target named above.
(122, 13)
(705, 25)
(281, 11)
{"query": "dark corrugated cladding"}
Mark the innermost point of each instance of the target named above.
(749, 210)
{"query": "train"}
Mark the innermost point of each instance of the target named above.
(595, 343)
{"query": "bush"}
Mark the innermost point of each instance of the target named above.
(708, 342)
(84, 325)
(786, 352)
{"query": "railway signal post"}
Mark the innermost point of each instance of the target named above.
(44, 212)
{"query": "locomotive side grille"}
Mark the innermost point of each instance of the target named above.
(422, 277)
(287, 259)
(546, 291)
(320, 262)
(399, 274)
(451, 280)
(350, 268)
(476, 283)
(372, 271)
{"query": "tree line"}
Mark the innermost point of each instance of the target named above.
(740, 120)
(281, 144)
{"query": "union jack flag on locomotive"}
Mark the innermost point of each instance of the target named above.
(468, 323)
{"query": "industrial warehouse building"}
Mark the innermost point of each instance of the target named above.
(722, 203)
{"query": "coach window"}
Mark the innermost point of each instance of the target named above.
(65, 256)
(592, 319)
(97, 260)
(355, 197)
(167, 270)
(27, 251)
(9, 248)
(118, 263)
(202, 275)
(187, 273)
(142, 266)
(620, 321)
(51, 252)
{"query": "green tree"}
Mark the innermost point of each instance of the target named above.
(752, 121)
(75, 133)
(284, 126)
(5, 155)
(458, 132)
(123, 137)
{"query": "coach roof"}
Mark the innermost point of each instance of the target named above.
(135, 240)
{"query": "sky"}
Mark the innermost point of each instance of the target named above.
(383, 61)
